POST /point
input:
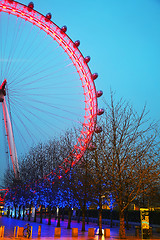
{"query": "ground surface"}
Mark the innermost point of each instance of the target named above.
(47, 231)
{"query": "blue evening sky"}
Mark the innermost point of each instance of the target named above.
(122, 37)
(123, 40)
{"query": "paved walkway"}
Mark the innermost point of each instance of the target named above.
(47, 231)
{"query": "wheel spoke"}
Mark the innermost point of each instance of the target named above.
(49, 84)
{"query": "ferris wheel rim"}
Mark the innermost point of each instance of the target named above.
(89, 90)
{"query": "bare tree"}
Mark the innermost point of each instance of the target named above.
(81, 185)
(131, 154)
(125, 163)
(100, 188)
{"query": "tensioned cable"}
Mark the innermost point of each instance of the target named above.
(33, 84)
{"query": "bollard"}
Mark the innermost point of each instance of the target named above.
(91, 232)
(31, 232)
(39, 231)
(2, 231)
(137, 231)
(74, 232)
(20, 231)
(57, 232)
(106, 232)
(15, 231)
(150, 231)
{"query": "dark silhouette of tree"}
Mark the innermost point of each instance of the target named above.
(99, 181)
(124, 164)
(131, 154)
(81, 185)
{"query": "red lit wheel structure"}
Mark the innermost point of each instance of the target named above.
(50, 87)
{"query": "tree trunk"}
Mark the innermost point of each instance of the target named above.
(49, 215)
(87, 217)
(83, 218)
(111, 218)
(15, 211)
(35, 214)
(29, 216)
(63, 214)
(126, 218)
(100, 216)
(69, 218)
(45, 212)
(78, 217)
(19, 212)
(59, 218)
(41, 214)
(8, 211)
(23, 212)
(122, 233)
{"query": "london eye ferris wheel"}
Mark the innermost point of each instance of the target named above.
(46, 85)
